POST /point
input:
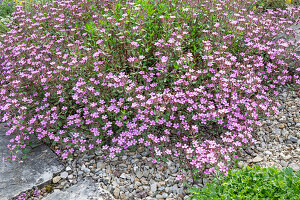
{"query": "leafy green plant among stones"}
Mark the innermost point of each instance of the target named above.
(252, 183)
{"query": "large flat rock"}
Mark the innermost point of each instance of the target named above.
(84, 190)
(296, 28)
(37, 168)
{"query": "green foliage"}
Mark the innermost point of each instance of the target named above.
(6, 8)
(263, 5)
(3, 24)
(252, 183)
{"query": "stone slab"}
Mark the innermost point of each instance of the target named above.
(84, 190)
(37, 169)
(296, 28)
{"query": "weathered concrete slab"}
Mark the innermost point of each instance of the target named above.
(84, 190)
(37, 169)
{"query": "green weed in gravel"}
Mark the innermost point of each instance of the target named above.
(252, 183)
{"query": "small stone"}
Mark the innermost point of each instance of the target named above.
(137, 184)
(281, 126)
(80, 173)
(122, 165)
(165, 195)
(158, 176)
(123, 176)
(56, 179)
(162, 183)
(135, 169)
(261, 133)
(268, 152)
(116, 173)
(174, 188)
(100, 165)
(68, 169)
(257, 159)
(283, 163)
(123, 196)
(56, 190)
(70, 176)
(277, 131)
(136, 179)
(282, 119)
(139, 174)
(64, 175)
(63, 183)
(167, 189)
(146, 173)
(160, 188)
(98, 152)
(86, 170)
(153, 187)
(293, 139)
(288, 157)
(293, 108)
(140, 149)
(117, 192)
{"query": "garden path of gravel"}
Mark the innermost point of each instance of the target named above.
(133, 175)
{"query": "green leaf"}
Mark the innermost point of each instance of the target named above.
(26, 151)
(194, 190)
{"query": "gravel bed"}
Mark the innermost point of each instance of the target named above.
(279, 137)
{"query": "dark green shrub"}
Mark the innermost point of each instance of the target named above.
(252, 183)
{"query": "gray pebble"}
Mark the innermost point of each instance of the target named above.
(139, 174)
(153, 187)
(293, 139)
(68, 169)
(64, 175)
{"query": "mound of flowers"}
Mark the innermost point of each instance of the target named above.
(185, 79)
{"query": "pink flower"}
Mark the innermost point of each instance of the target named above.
(134, 44)
(99, 41)
(179, 177)
(131, 59)
(164, 59)
(217, 25)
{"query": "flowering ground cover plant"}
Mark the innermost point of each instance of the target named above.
(183, 78)
(252, 183)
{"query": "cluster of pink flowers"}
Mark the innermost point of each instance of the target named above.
(61, 89)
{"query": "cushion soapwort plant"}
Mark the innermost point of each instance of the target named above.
(188, 82)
